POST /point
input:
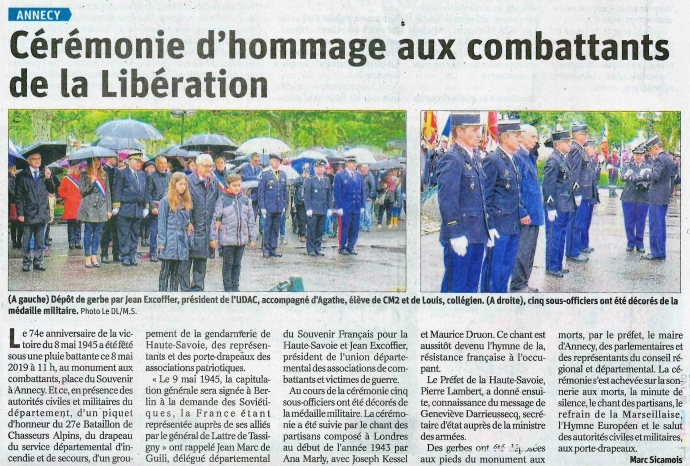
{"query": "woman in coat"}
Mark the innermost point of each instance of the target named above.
(386, 188)
(174, 231)
(95, 208)
(70, 192)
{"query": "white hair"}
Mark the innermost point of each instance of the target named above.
(204, 158)
(528, 129)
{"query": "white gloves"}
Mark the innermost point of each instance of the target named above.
(263, 213)
(459, 245)
(628, 174)
(493, 234)
(340, 212)
(116, 210)
(552, 215)
(310, 213)
(146, 212)
(329, 212)
(578, 200)
(361, 211)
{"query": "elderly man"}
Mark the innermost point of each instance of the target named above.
(658, 196)
(559, 202)
(109, 232)
(131, 205)
(349, 196)
(272, 202)
(156, 187)
(531, 210)
(32, 187)
(579, 163)
(370, 195)
(204, 192)
(464, 227)
(502, 196)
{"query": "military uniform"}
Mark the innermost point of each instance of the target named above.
(557, 188)
(463, 213)
(129, 196)
(318, 200)
(595, 168)
(579, 163)
(349, 197)
(634, 201)
(658, 196)
(502, 194)
(272, 199)
(156, 187)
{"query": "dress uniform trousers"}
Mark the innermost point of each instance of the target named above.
(635, 217)
(349, 231)
(315, 228)
(578, 229)
(524, 259)
(462, 272)
(498, 264)
(128, 236)
(657, 229)
(555, 240)
(271, 230)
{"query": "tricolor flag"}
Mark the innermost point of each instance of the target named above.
(221, 183)
(100, 187)
(429, 127)
(445, 135)
(490, 140)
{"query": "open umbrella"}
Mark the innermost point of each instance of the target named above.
(91, 152)
(363, 155)
(125, 153)
(15, 157)
(263, 146)
(115, 143)
(250, 184)
(332, 155)
(128, 128)
(291, 173)
(178, 152)
(311, 154)
(208, 142)
(385, 165)
(50, 151)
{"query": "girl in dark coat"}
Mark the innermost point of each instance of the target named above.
(95, 208)
(174, 231)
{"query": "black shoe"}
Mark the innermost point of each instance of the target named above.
(71, 246)
(580, 259)
(564, 271)
(154, 258)
(266, 255)
(26, 268)
(344, 252)
(105, 259)
(48, 242)
(126, 262)
(587, 250)
(320, 254)
(352, 252)
(313, 254)
(39, 267)
(649, 257)
(133, 262)
(554, 274)
(275, 254)
(629, 249)
(640, 250)
(116, 258)
(78, 246)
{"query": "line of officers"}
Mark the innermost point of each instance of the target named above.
(492, 208)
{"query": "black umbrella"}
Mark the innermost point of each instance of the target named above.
(128, 128)
(115, 143)
(385, 165)
(14, 157)
(332, 155)
(50, 151)
(91, 152)
(213, 143)
(178, 152)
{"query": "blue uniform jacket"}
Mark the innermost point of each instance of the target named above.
(129, 193)
(461, 197)
(660, 176)
(581, 171)
(502, 192)
(557, 184)
(318, 194)
(348, 192)
(632, 191)
(273, 191)
(531, 201)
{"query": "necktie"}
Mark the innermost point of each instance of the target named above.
(35, 176)
(275, 174)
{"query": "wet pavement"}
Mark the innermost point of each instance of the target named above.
(610, 267)
(380, 266)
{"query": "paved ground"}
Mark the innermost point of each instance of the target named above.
(610, 267)
(380, 266)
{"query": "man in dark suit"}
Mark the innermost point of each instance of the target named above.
(131, 205)
(109, 232)
(658, 196)
(348, 193)
(156, 187)
(272, 202)
(318, 201)
(579, 163)
(32, 187)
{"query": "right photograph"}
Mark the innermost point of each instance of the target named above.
(550, 201)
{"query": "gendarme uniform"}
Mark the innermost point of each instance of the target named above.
(318, 201)
(129, 196)
(272, 199)
(634, 201)
(595, 170)
(557, 188)
(581, 171)
(463, 211)
(659, 196)
(502, 194)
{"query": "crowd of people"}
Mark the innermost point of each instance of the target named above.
(492, 207)
(186, 213)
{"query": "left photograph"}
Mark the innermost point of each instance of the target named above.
(206, 200)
